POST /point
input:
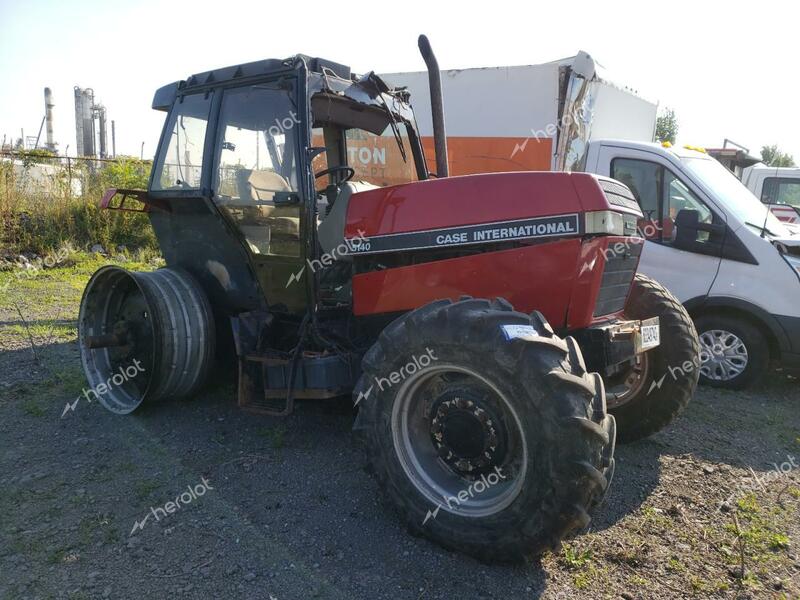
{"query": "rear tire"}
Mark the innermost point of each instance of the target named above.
(664, 379)
(163, 336)
(734, 353)
(522, 410)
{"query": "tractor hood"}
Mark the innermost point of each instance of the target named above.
(477, 209)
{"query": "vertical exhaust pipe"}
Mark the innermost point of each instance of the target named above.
(437, 105)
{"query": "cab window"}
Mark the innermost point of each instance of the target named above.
(779, 190)
(677, 197)
(256, 167)
(661, 196)
(381, 159)
(179, 164)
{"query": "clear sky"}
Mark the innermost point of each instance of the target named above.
(727, 69)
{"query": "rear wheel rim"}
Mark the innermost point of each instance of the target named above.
(114, 301)
(431, 408)
(723, 355)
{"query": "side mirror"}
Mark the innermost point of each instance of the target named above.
(687, 220)
(689, 232)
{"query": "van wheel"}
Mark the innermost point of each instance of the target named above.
(483, 428)
(734, 353)
(659, 384)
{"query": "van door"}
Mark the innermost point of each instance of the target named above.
(683, 235)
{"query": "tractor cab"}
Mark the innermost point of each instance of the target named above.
(278, 148)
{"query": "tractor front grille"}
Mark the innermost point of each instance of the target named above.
(619, 194)
(620, 268)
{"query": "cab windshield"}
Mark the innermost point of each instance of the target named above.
(374, 141)
(737, 198)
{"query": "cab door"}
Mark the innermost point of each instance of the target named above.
(257, 183)
(684, 236)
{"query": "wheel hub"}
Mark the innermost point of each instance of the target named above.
(627, 384)
(723, 355)
(467, 434)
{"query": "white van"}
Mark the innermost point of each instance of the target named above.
(778, 187)
(731, 262)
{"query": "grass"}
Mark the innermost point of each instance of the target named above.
(61, 287)
(574, 558)
(757, 541)
(145, 488)
(48, 299)
(276, 435)
(40, 208)
(33, 408)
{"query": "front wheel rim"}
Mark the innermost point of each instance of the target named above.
(723, 355)
(625, 387)
(490, 488)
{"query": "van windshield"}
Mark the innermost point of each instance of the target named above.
(736, 197)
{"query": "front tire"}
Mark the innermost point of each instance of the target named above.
(734, 353)
(657, 388)
(496, 446)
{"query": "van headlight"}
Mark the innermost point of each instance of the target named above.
(794, 262)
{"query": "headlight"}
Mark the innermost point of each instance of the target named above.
(794, 262)
(610, 222)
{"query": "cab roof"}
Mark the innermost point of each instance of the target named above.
(677, 150)
(165, 96)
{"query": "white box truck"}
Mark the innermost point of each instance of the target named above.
(778, 188)
(732, 263)
(509, 118)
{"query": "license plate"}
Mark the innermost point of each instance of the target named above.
(651, 333)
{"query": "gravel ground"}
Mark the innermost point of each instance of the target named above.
(287, 511)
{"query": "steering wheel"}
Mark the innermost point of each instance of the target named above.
(349, 170)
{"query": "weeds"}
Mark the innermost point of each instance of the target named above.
(46, 202)
(276, 435)
(32, 408)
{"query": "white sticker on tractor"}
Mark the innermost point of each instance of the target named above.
(523, 332)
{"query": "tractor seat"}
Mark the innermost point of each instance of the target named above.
(260, 184)
(268, 229)
(330, 231)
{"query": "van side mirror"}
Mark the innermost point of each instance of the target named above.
(689, 232)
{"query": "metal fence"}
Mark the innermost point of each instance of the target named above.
(40, 175)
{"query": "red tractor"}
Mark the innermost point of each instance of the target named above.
(474, 319)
